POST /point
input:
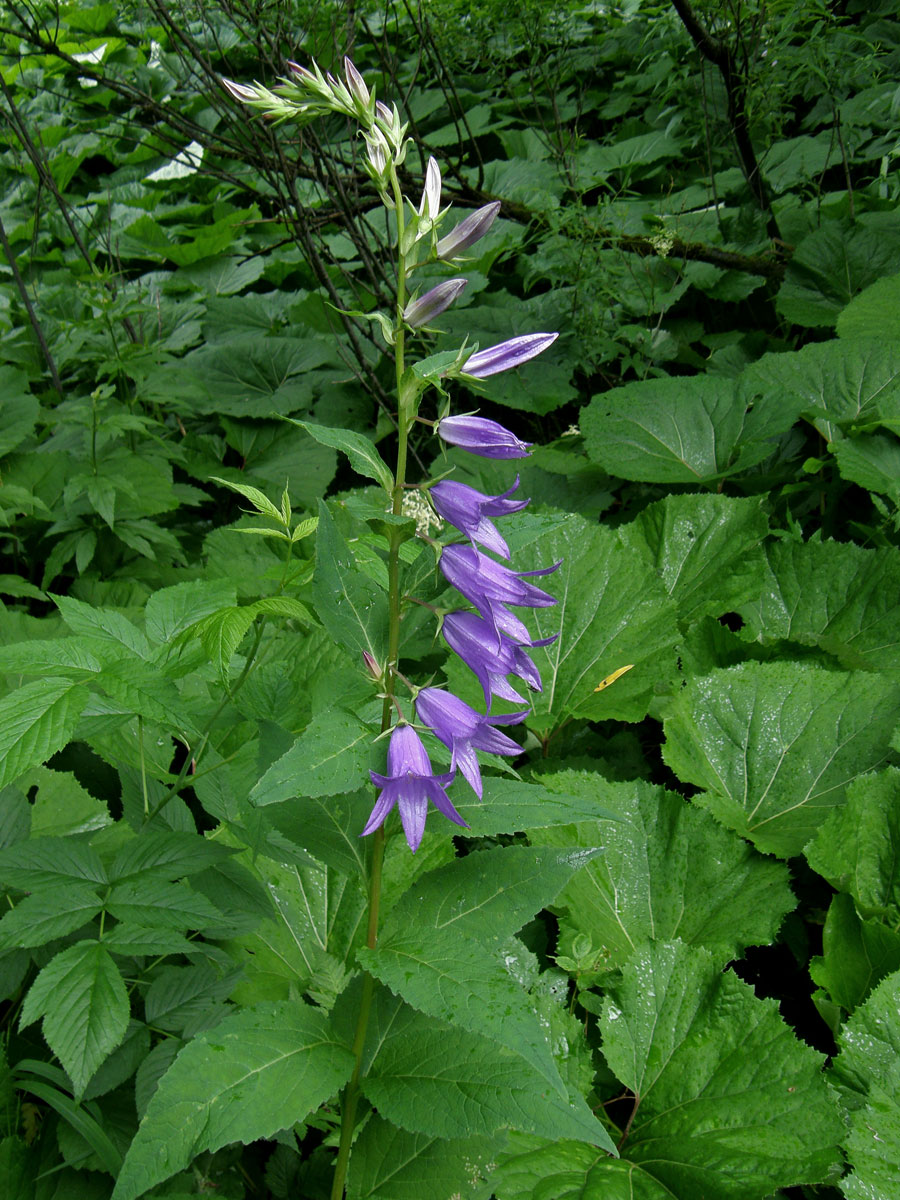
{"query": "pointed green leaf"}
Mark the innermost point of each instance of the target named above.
(327, 827)
(48, 860)
(775, 745)
(259, 1071)
(510, 806)
(667, 871)
(729, 1103)
(352, 607)
(36, 721)
(103, 623)
(159, 904)
(258, 499)
(49, 913)
(166, 853)
(222, 632)
(331, 757)
(873, 461)
(82, 998)
(389, 1162)
(360, 450)
(173, 609)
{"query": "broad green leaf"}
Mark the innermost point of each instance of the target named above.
(173, 609)
(222, 632)
(531, 1168)
(77, 657)
(136, 687)
(705, 549)
(858, 847)
(261, 1070)
(388, 1162)
(36, 721)
(167, 854)
(103, 623)
(352, 607)
(49, 913)
(667, 871)
(326, 827)
(871, 460)
(510, 807)
(776, 744)
(331, 757)
(683, 430)
(360, 450)
(129, 938)
(834, 595)
(159, 904)
(867, 1072)
(183, 1000)
(260, 501)
(82, 998)
(873, 313)
(856, 954)
(445, 1082)
(47, 861)
(62, 806)
(729, 1104)
(611, 610)
(841, 384)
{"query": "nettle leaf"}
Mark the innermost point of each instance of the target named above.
(103, 623)
(776, 744)
(388, 1161)
(612, 610)
(352, 607)
(856, 954)
(705, 549)
(431, 1078)
(858, 847)
(173, 609)
(259, 1071)
(360, 450)
(50, 860)
(683, 430)
(867, 1071)
(667, 871)
(729, 1103)
(77, 657)
(840, 383)
(82, 998)
(48, 914)
(332, 756)
(36, 721)
(834, 595)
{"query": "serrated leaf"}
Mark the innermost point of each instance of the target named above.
(159, 904)
(352, 607)
(78, 657)
(391, 1164)
(873, 461)
(510, 806)
(47, 861)
(729, 1104)
(258, 499)
(82, 998)
(667, 871)
(611, 611)
(331, 757)
(705, 550)
(444, 1082)
(776, 744)
(138, 688)
(360, 450)
(129, 938)
(327, 827)
(103, 623)
(187, 998)
(173, 609)
(678, 430)
(168, 854)
(63, 807)
(834, 595)
(856, 954)
(50, 913)
(222, 632)
(260, 1071)
(36, 721)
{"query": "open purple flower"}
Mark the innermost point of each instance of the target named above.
(491, 587)
(410, 783)
(507, 355)
(463, 730)
(469, 511)
(480, 436)
(476, 643)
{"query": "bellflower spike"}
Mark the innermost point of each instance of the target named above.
(410, 783)
(480, 436)
(468, 231)
(487, 583)
(507, 355)
(432, 304)
(463, 730)
(475, 641)
(468, 511)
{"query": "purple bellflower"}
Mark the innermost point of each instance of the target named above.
(478, 435)
(475, 641)
(507, 355)
(469, 511)
(491, 587)
(433, 303)
(410, 783)
(463, 730)
(468, 231)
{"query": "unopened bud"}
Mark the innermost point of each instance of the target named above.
(468, 231)
(371, 665)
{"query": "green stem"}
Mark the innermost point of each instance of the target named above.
(404, 422)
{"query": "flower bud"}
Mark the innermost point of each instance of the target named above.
(468, 231)
(432, 304)
(356, 85)
(430, 205)
(507, 355)
(480, 436)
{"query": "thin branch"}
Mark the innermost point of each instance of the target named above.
(29, 308)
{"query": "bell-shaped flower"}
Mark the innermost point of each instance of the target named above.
(491, 660)
(507, 355)
(463, 730)
(491, 587)
(469, 511)
(468, 231)
(481, 436)
(432, 304)
(410, 783)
